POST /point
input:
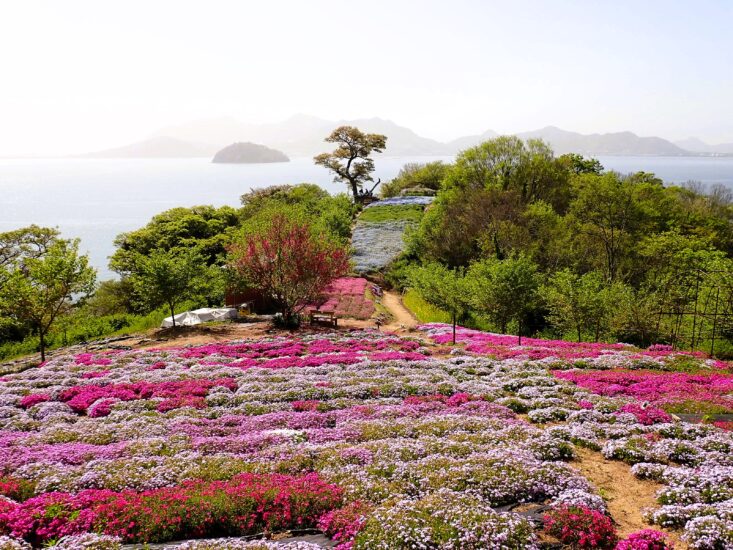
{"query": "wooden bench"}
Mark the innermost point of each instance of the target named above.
(323, 318)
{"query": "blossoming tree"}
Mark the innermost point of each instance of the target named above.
(288, 260)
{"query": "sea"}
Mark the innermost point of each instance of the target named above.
(97, 199)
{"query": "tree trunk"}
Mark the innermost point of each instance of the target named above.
(598, 331)
(578, 329)
(42, 335)
(173, 315)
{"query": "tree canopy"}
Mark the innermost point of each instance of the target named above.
(504, 290)
(611, 251)
(351, 161)
(41, 278)
(289, 260)
(171, 277)
(443, 288)
(203, 227)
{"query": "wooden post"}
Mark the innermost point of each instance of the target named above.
(715, 319)
(694, 312)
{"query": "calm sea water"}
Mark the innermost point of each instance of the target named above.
(96, 200)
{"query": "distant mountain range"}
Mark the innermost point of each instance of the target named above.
(158, 147)
(698, 146)
(303, 135)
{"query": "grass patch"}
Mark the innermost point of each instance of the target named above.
(427, 313)
(424, 312)
(85, 328)
(379, 308)
(377, 214)
(696, 407)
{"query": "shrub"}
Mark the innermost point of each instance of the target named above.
(343, 524)
(245, 505)
(444, 520)
(648, 415)
(16, 488)
(581, 526)
(646, 539)
(709, 533)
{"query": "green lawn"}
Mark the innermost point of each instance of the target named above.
(87, 328)
(424, 312)
(409, 212)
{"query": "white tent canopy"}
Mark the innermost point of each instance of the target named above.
(198, 316)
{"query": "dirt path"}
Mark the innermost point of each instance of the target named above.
(402, 322)
(626, 495)
(402, 319)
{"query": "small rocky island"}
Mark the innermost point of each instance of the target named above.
(249, 153)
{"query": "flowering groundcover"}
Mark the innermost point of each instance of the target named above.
(346, 297)
(371, 437)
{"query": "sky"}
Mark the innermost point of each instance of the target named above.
(78, 75)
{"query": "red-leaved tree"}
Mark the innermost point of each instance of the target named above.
(289, 262)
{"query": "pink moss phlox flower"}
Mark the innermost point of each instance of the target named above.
(646, 539)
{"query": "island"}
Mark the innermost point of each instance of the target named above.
(249, 153)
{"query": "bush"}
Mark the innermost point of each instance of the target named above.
(581, 526)
(647, 539)
(429, 176)
(16, 489)
(444, 520)
(245, 505)
(343, 524)
(709, 533)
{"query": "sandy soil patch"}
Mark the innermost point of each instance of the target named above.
(626, 495)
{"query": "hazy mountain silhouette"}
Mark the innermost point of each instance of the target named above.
(157, 147)
(470, 141)
(303, 135)
(617, 143)
(698, 146)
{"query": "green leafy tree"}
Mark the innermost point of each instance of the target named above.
(581, 303)
(504, 290)
(424, 179)
(463, 222)
(28, 242)
(39, 286)
(607, 216)
(527, 169)
(443, 288)
(578, 164)
(202, 227)
(334, 213)
(546, 235)
(111, 297)
(637, 316)
(351, 161)
(171, 277)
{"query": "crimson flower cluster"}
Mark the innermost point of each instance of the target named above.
(581, 527)
(246, 504)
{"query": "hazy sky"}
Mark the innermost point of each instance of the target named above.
(83, 75)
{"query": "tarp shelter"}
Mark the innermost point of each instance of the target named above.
(198, 316)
